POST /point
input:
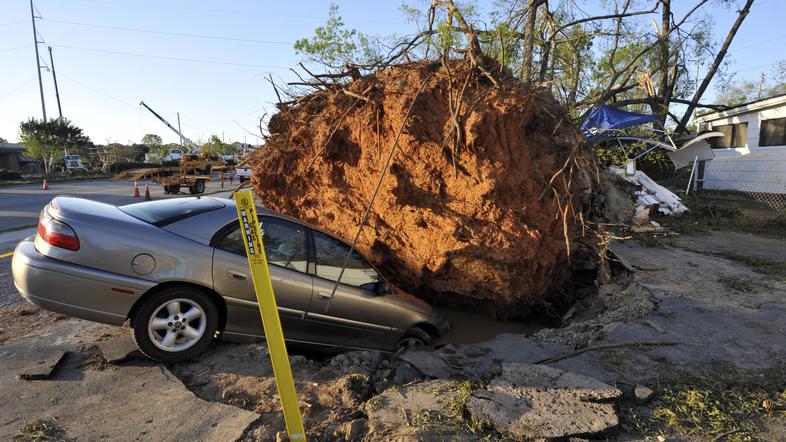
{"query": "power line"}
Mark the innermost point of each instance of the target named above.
(97, 91)
(16, 88)
(176, 34)
(16, 48)
(240, 12)
(161, 57)
(13, 23)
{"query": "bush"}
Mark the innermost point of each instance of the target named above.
(9, 175)
(78, 172)
(124, 165)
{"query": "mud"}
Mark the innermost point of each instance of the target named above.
(490, 222)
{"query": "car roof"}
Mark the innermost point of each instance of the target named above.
(202, 226)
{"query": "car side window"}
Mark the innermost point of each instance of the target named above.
(330, 256)
(285, 243)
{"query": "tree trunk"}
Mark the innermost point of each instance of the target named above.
(574, 86)
(714, 68)
(661, 102)
(529, 40)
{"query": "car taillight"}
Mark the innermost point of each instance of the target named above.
(57, 233)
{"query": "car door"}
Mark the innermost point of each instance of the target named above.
(286, 248)
(357, 316)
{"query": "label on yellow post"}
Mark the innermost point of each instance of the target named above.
(260, 276)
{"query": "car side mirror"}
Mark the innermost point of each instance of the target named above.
(382, 288)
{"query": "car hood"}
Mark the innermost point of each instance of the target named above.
(405, 300)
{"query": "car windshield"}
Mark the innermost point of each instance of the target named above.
(163, 212)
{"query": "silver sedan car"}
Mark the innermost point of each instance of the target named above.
(177, 270)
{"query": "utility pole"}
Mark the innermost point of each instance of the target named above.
(37, 59)
(54, 76)
(761, 82)
(179, 130)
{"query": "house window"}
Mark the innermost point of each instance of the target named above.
(773, 132)
(734, 135)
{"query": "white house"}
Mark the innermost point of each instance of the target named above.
(751, 156)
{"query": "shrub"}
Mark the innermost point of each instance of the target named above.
(6, 174)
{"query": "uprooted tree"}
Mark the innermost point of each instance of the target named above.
(492, 197)
(488, 197)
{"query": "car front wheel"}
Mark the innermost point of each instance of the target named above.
(175, 324)
(414, 337)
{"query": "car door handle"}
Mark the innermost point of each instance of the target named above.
(324, 295)
(237, 275)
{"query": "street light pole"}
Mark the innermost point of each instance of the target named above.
(37, 60)
(54, 76)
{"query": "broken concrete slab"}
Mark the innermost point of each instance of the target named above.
(450, 362)
(538, 402)
(44, 368)
(123, 402)
(119, 348)
(412, 411)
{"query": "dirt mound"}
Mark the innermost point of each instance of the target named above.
(487, 218)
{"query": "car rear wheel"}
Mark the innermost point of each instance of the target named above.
(176, 324)
(414, 337)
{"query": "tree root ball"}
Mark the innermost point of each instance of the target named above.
(489, 216)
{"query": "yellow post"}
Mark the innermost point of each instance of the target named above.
(260, 276)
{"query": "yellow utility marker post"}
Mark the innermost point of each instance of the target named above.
(260, 276)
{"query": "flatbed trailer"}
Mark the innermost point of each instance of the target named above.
(170, 178)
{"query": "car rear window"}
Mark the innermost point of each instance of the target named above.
(163, 212)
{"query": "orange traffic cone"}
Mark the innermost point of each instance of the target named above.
(45, 186)
(147, 193)
(136, 190)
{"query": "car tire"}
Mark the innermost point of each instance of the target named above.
(176, 324)
(414, 337)
(197, 188)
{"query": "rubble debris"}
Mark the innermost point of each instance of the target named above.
(401, 413)
(642, 394)
(651, 195)
(487, 221)
(43, 369)
(537, 402)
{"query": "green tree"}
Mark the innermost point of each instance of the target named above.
(47, 140)
(213, 146)
(745, 91)
(3, 140)
(152, 141)
(334, 45)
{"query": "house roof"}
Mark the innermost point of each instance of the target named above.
(11, 148)
(753, 106)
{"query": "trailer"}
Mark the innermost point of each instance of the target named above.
(193, 171)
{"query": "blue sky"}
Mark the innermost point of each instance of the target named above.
(103, 72)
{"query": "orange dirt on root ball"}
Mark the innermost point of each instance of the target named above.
(485, 219)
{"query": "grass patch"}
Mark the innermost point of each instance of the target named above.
(51, 180)
(726, 402)
(654, 240)
(704, 216)
(776, 269)
(39, 430)
(745, 285)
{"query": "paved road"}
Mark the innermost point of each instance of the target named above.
(21, 205)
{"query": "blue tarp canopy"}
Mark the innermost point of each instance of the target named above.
(606, 118)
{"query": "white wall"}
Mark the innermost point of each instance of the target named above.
(751, 168)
